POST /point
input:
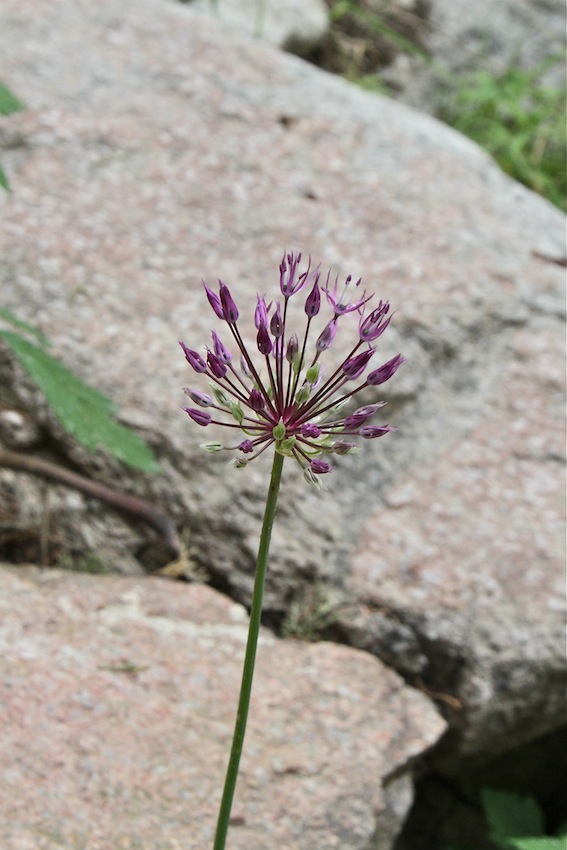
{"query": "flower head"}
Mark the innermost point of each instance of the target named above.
(279, 397)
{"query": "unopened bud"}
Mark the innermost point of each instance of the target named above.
(312, 374)
(278, 431)
(202, 399)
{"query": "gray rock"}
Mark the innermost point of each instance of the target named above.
(296, 25)
(118, 697)
(138, 170)
(491, 35)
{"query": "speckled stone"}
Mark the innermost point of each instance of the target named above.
(118, 698)
(156, 151)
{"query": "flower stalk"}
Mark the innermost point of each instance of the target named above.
(250, 656)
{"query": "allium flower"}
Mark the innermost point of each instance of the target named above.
(278, 396)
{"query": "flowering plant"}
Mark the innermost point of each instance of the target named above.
(294, 408)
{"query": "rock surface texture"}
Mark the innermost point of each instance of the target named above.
(118, 699)
(296, 25)
(155, 151)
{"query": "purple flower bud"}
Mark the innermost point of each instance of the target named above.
(229, 308)
(214, 301)
(375, 324)
(221, 352)
(246, 446)
(341, 447)
(354, 367)
(198, 397)
(313, 300)
(320, 467)
(292, 349)
(327, 336)
(289, 282)
(217, 367)
(261, 312)
(362, 415)
(263, 340)
(369, 432)
(385, 372)
(193, 358)
(256, 400)
(276, 326)
(310, 430)
(198, 416)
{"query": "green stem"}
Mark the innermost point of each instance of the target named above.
(250, 656)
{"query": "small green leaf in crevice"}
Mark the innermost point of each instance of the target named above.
(9, 103)
(83, 411)
(511, 816)
(4, 180)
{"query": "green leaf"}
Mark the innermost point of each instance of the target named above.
(543, 842)
(83, 411)
(23, 326)
(511, 816)
(9, 103)
(4, 180)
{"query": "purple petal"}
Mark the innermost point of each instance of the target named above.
(362, 415)
(289, 280)
(310, 430)
(276, 325)
(256, 400)
(221, 351)
(198, 397)
(370, 432)
(214, 301)
(354, 367)
(341, 447)
(320, 467)
(292, 349)
(261, 312)
(313, 300)
(229, 308)
(385, 372)
(263, 340)
(344, 301)
(327, 336)
(193, 358)
(217, 367)
(198, 416)
(375, 324)
(246, 446)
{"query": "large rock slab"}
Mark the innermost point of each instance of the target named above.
(138, 169)
(118, 700)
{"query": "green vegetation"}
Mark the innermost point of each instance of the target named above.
(308, 617)
(521, 122)
(90, 563)
(84, 412)
(9, 103)
(513, 115)
(517, 823)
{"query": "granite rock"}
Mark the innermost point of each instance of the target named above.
(118, 700)
(138, 170)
